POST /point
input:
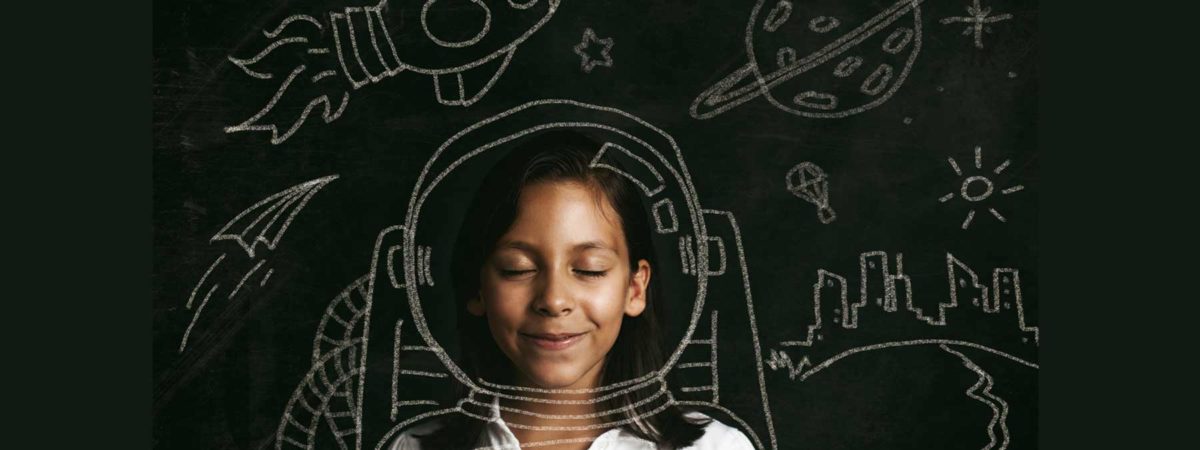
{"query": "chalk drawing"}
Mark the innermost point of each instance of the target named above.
(977, 19)
(998, 406)
(807, 181)
(882, 289)
(337, 380)
(831, 50)
(371, 43)
(261, 224)
(254, 229)
(978, 188)
(800, 371)
(584, 49)
(981, 391)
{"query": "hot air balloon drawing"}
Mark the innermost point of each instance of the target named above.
(807, 181)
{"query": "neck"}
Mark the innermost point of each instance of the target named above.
(553, 417)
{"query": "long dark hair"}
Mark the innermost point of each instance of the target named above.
(561, 155)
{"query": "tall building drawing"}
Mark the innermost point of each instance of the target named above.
(884, 291)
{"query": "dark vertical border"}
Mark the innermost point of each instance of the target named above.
(77, 216)
(1118, 318)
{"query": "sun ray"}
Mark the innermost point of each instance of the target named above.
(946, 198)
(978, 157)
(1001, 167)
(954, 165)
(1012, 189)
(997, 214)
(967, 222)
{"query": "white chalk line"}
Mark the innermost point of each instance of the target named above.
(828, 362)
(997, 291)
(327, 115)
(758, 363)
(586, 63)
(245, 277)
(439, 353)
(954, 164)
(487, 26)
(282, 200)
(978, 20)
(716, 383)
(999, 413)
(244, 63)
(202, 278)
(604, 151)
(653, 397)
(639, 382)
(837, 48)
(396, 347)
(266, 277)
(374, 18)
(421, 373)
(196, 315)
(419, 196)
(298, 398)
(997, 214)
(288, 21)
(595, 426)
(967, 222)
(323, 74)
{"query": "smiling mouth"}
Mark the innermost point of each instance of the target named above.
(557, 341)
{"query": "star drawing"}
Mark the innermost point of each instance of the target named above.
(977, 21)
(587, 61)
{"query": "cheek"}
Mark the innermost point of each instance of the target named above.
(607, 308)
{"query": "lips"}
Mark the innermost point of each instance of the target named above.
(552, 341)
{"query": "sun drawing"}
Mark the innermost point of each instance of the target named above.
(977, 188)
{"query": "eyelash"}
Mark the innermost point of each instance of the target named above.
(586, 273)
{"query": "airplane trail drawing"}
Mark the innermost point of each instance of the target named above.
(256, 230)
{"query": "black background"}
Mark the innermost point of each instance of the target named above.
(228, 389)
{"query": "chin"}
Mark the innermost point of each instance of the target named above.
(554, 379)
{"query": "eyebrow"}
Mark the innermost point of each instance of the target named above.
(588, 245)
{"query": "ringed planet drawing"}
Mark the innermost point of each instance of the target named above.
(820, 59)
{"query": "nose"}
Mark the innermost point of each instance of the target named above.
(555, 298)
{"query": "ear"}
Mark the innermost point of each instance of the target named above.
(639, 280)
(475, 305)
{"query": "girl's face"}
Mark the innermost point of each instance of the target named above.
(558, 284)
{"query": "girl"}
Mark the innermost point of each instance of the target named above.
(558, 296)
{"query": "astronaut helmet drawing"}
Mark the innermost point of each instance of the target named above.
(404, 370)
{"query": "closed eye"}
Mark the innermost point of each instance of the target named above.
(515, 273)
(591, 273)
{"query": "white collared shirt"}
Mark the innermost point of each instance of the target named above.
(497, 435)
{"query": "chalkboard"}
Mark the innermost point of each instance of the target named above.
(845, 195)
